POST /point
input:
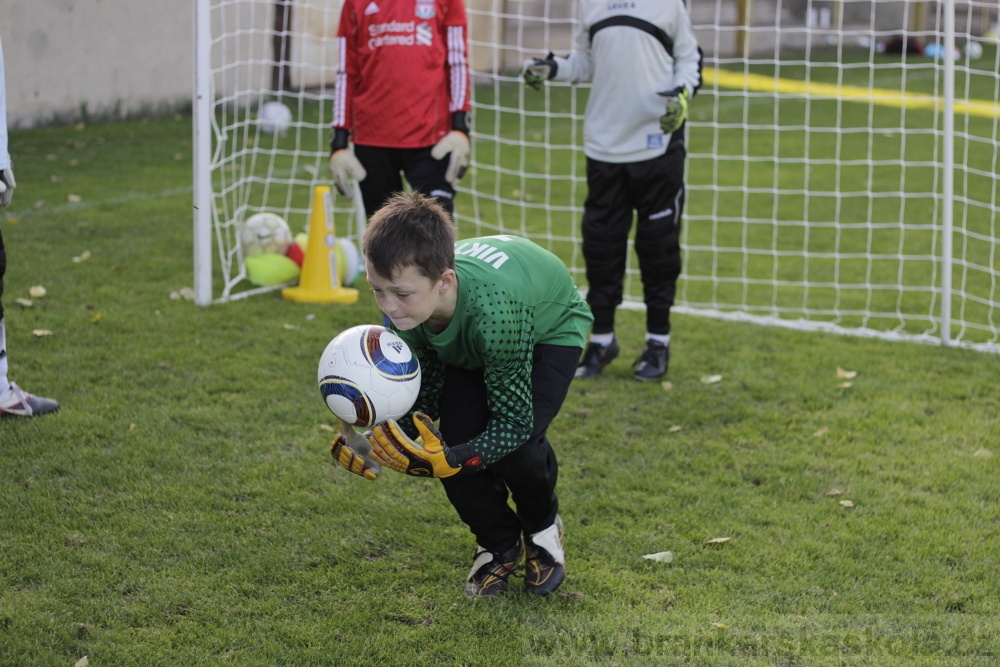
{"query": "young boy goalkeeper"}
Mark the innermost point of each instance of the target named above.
(498, 327)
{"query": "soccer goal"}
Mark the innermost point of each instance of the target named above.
(842, 155)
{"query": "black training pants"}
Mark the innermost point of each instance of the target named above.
(653, 189)
(528, 474)
(387, 166)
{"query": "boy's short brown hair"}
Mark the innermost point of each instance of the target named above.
(410, 230)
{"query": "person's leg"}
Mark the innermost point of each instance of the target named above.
(383, 167)
(426, 175)
(660, 187)
(660, 184)
(607, 221)
(480, 498)
(14, 401)
(4, 384)
(531, 472)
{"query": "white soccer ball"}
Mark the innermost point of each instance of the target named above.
(974, 50)
(367, 374)
(274, 118)
(265, 233)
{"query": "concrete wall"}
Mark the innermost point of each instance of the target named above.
(67, 59)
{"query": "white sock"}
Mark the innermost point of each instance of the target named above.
(4, 384)
(659, 338)
(602, 339)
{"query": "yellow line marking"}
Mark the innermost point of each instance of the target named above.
(891, 98)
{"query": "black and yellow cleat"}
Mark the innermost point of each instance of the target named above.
(545, 559)
(490, 570)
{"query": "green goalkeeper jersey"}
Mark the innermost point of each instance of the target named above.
(512, 295)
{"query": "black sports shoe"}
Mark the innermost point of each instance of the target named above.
(653, 363)
(595, 358)
(545, 559)
(488, 577)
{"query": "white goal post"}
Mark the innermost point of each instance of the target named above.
(842, 164)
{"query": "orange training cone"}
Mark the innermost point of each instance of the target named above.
(320, 281)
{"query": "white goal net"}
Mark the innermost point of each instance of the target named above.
(841, 172)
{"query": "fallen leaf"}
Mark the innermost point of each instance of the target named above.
(131, 427)
(187, 294)
(718, 540)
(41, 332)
(74, 163)
(37, 291)
(95, 319)
(846, 375)
(290, 327)
(823, 431)
(721, 626)
(660, 557)
(846, 503)
(835, 492)
(38, 204)
(11, 220)
(674, 428)
(327, 427)
(983, 453)
(711, 379)
(74, 198)
(27, 303)
(845, 385)
(82, 662)
(667, 385)
(82, 257)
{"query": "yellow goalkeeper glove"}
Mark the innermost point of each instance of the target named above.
(394, 449)
(353, 452)
(677, 109)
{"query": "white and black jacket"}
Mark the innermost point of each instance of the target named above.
(631, 50)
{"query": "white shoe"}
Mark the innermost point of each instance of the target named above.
(16, 402)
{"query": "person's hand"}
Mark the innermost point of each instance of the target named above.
(455, 144)
(394, 449)
(353, 452)
(7, 183)
(344, 164)
(677, 109)
(539, 70)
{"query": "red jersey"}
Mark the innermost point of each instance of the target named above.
(403, 70)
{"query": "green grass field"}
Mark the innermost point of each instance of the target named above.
(182, 508)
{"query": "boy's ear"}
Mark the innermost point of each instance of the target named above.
(448, 279)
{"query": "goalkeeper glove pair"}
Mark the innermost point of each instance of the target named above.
(7, 183)
(387, 445)
(539, 70)
(454, 145)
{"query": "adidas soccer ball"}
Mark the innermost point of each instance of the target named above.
(274, 118)
(367, 374)
(265, 232)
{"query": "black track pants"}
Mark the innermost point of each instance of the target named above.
(528, 474)
(653, 189)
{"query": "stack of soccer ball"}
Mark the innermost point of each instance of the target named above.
(274, 257)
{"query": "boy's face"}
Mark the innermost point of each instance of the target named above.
(412, 298)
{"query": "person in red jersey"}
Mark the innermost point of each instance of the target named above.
(402, 99)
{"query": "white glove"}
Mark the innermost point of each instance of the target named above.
(456, 144)
(344, 164)
(7, 183)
